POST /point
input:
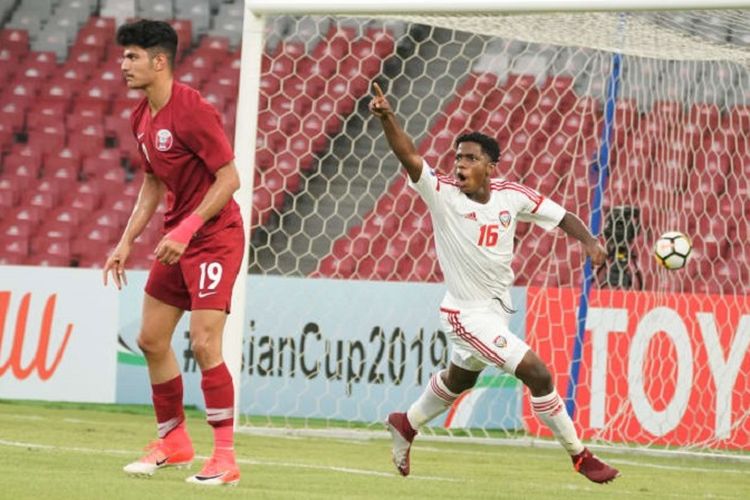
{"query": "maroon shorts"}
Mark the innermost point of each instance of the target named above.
(204, 276)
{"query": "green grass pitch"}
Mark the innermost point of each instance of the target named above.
(69, 451)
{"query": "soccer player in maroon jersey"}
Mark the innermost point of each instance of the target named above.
(187, 157)
(466, 209)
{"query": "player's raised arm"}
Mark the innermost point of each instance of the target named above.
(575, 227)
(400, 142)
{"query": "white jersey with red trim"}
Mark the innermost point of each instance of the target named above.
(474, 241)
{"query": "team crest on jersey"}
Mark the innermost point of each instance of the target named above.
(163, 140)
(504, 218)
(500, 341)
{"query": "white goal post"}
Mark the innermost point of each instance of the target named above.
(638, 122)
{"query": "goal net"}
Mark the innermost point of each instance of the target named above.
(636, 122)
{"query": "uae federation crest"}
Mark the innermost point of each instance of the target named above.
(504, 218)
(164, 140)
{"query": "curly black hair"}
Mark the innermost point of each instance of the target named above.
(155, 36)
(489, 145)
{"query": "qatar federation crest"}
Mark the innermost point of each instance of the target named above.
(505, 218)
(164, 140)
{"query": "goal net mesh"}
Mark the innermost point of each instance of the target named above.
(663, 353)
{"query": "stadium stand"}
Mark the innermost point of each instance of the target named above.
(69, 172)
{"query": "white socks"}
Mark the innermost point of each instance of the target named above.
(435, 399)
(551, 410)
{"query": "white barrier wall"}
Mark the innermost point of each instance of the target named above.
(58, 335)
(352, 350)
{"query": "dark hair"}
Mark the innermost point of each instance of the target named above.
(149, 34)
(490, 147)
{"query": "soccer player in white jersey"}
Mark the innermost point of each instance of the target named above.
(474, 218)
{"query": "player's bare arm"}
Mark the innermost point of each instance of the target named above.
(151, 193)
(400, 142)
(575, 227)
(173, 245)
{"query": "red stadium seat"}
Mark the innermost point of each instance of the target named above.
(337, 45)
(50, 233)
(22, 93)
(338, 89)
(41, 199)
(15, 40)
(14, 249)
(47, 112)
(108, 217)
(15, 228)
(97, 94)
(55, 98)
(264, 158)
(76, 73)
(300, 147)
(39, 65)
(10, 193)
(91, 53)
(28, 213)
(25, 169)
(215, 48)
(48, 139)
(13, 114)
(323, 119)
(120, 202)
(184, 29)
(67, 215)
(88, 140)
(90, 252)
(104, 26)
(93, 237)
(82, 201)
(557, 94)
(106, 160)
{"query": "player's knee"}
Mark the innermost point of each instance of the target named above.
(457, 381)
(540, 380)
(204, 347)
(535, 375)
(152, 345)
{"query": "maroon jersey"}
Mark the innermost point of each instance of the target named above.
(184, 145)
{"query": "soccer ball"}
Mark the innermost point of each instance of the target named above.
(672, 250)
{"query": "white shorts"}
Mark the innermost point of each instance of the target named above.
(480, 335)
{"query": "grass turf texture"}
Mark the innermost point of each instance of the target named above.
(58, 450)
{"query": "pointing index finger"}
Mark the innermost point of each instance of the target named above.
(377, 89)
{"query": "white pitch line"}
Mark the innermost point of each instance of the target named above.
(268, 463)
(18, 416)
(675, 467)
(348, 470)
(432, 449)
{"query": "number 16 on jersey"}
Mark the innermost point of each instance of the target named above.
(488, 235)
